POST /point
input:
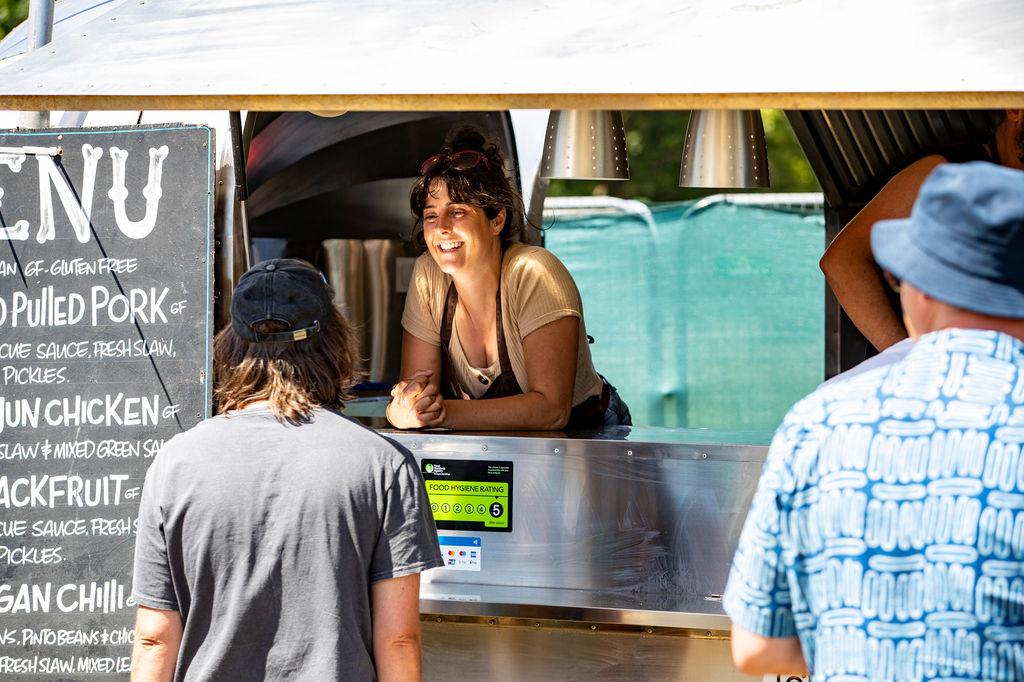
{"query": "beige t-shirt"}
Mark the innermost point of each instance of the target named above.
(535, 289)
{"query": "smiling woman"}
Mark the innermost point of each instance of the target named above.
(494, 337)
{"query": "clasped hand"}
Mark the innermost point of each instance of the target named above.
(416, 403)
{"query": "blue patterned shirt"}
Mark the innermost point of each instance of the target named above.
(887, 530)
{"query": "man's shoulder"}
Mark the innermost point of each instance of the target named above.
(353, 435)
(323, 423)
(913, 371)
(889, 356)
(198, 433)
(858, 386)
(330, 419)
(853, 398)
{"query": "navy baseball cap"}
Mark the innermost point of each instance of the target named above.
(282, 289)
(963, 243)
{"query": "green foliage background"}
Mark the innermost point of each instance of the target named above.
(12, 13)
(654, 142)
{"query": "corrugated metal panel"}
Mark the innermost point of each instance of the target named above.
(854, 152)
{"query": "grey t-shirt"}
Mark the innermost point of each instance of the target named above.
(266, 537)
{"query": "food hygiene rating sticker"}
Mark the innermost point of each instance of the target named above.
(469, 495)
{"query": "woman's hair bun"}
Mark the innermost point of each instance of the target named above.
(470, 137)
(465, 137)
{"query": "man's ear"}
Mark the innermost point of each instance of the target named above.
(919, 310)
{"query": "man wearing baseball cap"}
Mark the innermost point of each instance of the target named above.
(886, 536)
(280, 539)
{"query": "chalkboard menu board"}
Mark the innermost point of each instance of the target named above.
(105, 343)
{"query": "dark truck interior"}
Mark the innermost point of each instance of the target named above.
(334, 189)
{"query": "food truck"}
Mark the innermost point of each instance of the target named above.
(190, 139)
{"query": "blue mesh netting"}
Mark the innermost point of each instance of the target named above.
(709, 318)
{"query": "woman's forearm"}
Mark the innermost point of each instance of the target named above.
(530, 411)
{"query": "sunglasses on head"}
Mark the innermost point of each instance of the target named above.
(463, 160)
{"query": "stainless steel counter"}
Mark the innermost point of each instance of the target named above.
(483, 602)
(621, 533)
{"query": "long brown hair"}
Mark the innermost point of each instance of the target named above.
(295, 376)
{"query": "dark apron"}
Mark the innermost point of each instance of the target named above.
(588, 414)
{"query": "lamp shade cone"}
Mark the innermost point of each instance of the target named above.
(724, 148)
(585, 144)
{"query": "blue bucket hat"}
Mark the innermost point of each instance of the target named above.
(285, 290)
(963, 243)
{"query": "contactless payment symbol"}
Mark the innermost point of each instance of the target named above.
(461, 553)
(469, 495)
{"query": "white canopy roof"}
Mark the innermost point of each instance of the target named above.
(492, 54)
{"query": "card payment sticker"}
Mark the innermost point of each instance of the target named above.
(460, 554)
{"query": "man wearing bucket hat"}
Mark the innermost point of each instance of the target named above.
(280, 539)
(886, 536)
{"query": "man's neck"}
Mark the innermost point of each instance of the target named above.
(255, 403)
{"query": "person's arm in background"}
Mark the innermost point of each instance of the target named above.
(850, 268)
(395, 618)
(157, 640)
(757, 655)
